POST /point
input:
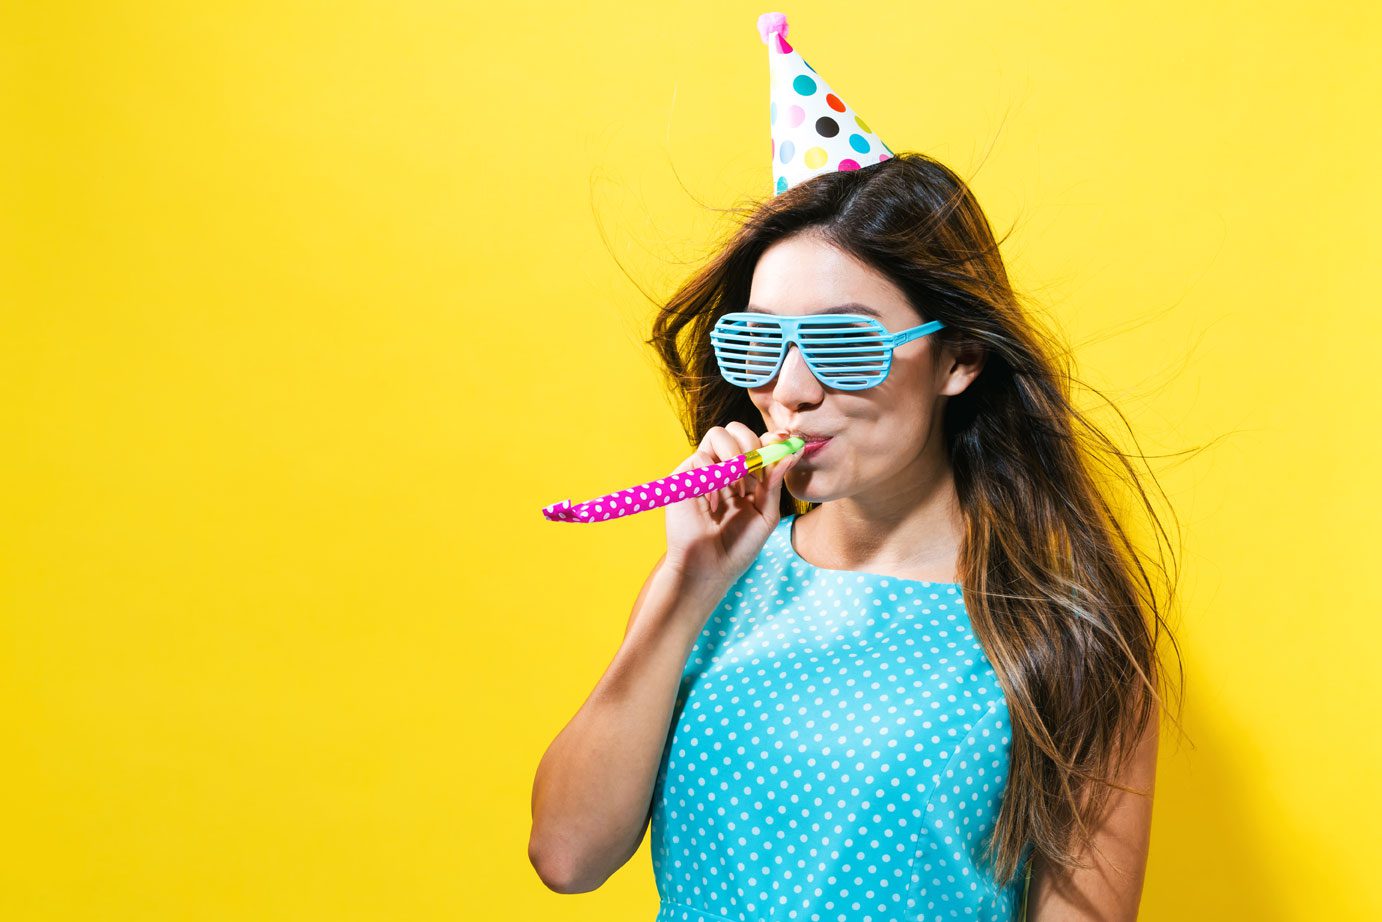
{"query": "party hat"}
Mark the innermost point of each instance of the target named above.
(814, 132)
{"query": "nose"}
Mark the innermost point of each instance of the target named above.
(795, 381)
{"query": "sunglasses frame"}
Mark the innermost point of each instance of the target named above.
(789, 326)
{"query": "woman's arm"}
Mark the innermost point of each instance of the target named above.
(592, 795)
(1104, 892)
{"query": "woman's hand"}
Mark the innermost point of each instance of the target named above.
(715, 537)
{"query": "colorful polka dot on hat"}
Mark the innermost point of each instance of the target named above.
(814, 132)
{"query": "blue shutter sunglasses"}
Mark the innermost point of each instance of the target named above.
(849, 352)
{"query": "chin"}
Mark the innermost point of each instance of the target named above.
(811, 492)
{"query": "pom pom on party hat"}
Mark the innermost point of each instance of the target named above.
(814, 132)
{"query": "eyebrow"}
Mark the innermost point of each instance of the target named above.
(851, 308)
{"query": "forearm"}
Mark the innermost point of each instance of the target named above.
(594, 785)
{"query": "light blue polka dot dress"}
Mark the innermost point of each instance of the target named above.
(839, 752)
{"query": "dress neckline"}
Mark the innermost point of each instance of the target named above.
(789, 523)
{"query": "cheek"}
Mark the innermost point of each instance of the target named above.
(895, 428)
(911, 381)
(763, 403)
(907, 398)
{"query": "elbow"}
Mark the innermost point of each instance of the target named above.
(560, 875)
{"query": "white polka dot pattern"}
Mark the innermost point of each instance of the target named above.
(839, 751)
(652, 495)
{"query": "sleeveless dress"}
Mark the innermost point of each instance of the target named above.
(838, 751)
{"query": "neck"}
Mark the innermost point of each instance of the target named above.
(913, 528)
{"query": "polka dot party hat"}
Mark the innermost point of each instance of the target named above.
(814, 132)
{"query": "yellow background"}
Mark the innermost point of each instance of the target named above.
(308, 308)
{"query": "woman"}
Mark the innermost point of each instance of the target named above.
(924, 680)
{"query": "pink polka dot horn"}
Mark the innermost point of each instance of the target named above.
(674, 487)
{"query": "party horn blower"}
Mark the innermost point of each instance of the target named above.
(674, 487)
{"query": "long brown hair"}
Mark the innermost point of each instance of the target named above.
(1069, 609)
